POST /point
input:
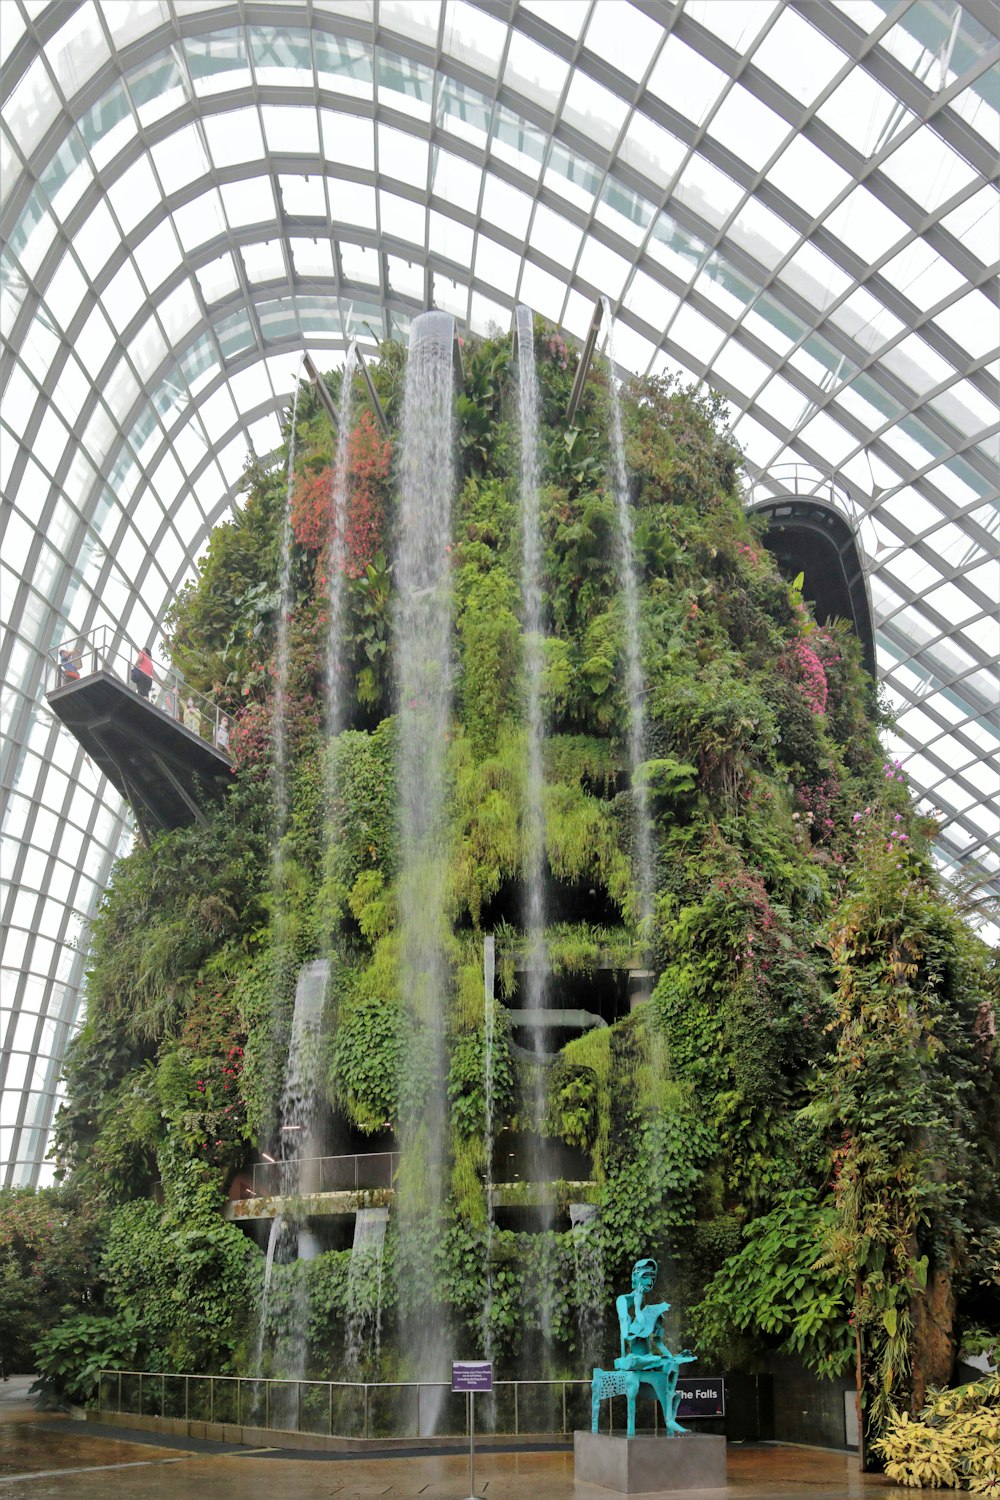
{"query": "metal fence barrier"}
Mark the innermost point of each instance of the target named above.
(337, 1408)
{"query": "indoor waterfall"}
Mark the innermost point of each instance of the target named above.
(536, 989)
(364, 1296)
(423, 659)
(634, 680)
(588, 1266)
(285, 604)
(337, 551)
(298, 1149)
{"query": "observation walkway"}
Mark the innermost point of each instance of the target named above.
(329, 1186)
(810, 531)
(166, 754)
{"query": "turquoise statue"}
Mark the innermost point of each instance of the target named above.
(645, 1358)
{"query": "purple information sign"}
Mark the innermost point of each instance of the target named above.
(472, 1375)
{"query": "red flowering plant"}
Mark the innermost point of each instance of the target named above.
(368, 459)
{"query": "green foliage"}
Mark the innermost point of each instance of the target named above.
(70, 1357)
(781, 1290)
(365, 1065)
(369, 598)
(898, 1097)
(183, 1275)
(49, 1248)
(217, 624)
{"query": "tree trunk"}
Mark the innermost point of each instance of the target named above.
(933, 1342)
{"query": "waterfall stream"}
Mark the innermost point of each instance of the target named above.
(298, 1150)
(280, 710)
(588, 1265)
(531, 588)
(634, 680)
(423, 658)
(537, 987)
(489, 1001)
(364, 1296)
(337, 553)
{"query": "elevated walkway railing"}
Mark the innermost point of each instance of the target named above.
(104, 650)
(324, 1174)
(344, 1409)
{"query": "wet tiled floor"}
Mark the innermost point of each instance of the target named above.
(46, 1457)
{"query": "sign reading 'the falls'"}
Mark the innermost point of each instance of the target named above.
(472, 1375)
(703, 1396)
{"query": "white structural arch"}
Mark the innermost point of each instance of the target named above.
(794, 202)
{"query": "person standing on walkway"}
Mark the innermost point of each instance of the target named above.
(142, 672)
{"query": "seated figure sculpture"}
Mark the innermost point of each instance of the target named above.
(645, 1358)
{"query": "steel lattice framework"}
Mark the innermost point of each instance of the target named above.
(794, 202)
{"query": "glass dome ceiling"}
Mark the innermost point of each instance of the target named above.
(796, 203)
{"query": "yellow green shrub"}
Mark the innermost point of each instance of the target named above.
(953, 1444)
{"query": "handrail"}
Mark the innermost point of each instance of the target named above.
(311, 1174)
(559, 1406)
(105, 649)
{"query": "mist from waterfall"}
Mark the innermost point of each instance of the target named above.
(298, 1146)
(279, 715)
(536, 956)
(363, 1344)
(531, 592)
(336, 559)
(423, 661)
(489, 1128)
(588, 1267)
(282, 1239)
(635, 686)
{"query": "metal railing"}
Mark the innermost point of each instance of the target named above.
(324, 1174)
(104, 650)
(337, 1408)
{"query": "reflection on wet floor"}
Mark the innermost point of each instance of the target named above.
(49, 1457)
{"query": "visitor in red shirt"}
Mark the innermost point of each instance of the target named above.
(142, 672)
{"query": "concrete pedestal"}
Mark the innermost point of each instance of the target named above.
(637, 1465)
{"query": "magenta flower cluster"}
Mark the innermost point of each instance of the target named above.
(812, 676)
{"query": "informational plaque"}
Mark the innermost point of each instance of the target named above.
(702, 1396)
(472, 1375)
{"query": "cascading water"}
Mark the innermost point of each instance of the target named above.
(279, 720)
(531, 588)
(534, 811)
(337, 554)
(489, 985)
(364, 1296)
(280, 788)
(634, 681)
(588, 1264)
(298, 1150)
(423, 656)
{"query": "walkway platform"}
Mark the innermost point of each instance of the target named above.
(167, 772)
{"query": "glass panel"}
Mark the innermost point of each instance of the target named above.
(684, 79)
(750, 130)
(281, 56)
(539, 74)
(218, 61)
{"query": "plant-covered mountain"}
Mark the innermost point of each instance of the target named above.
(799, 1121)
